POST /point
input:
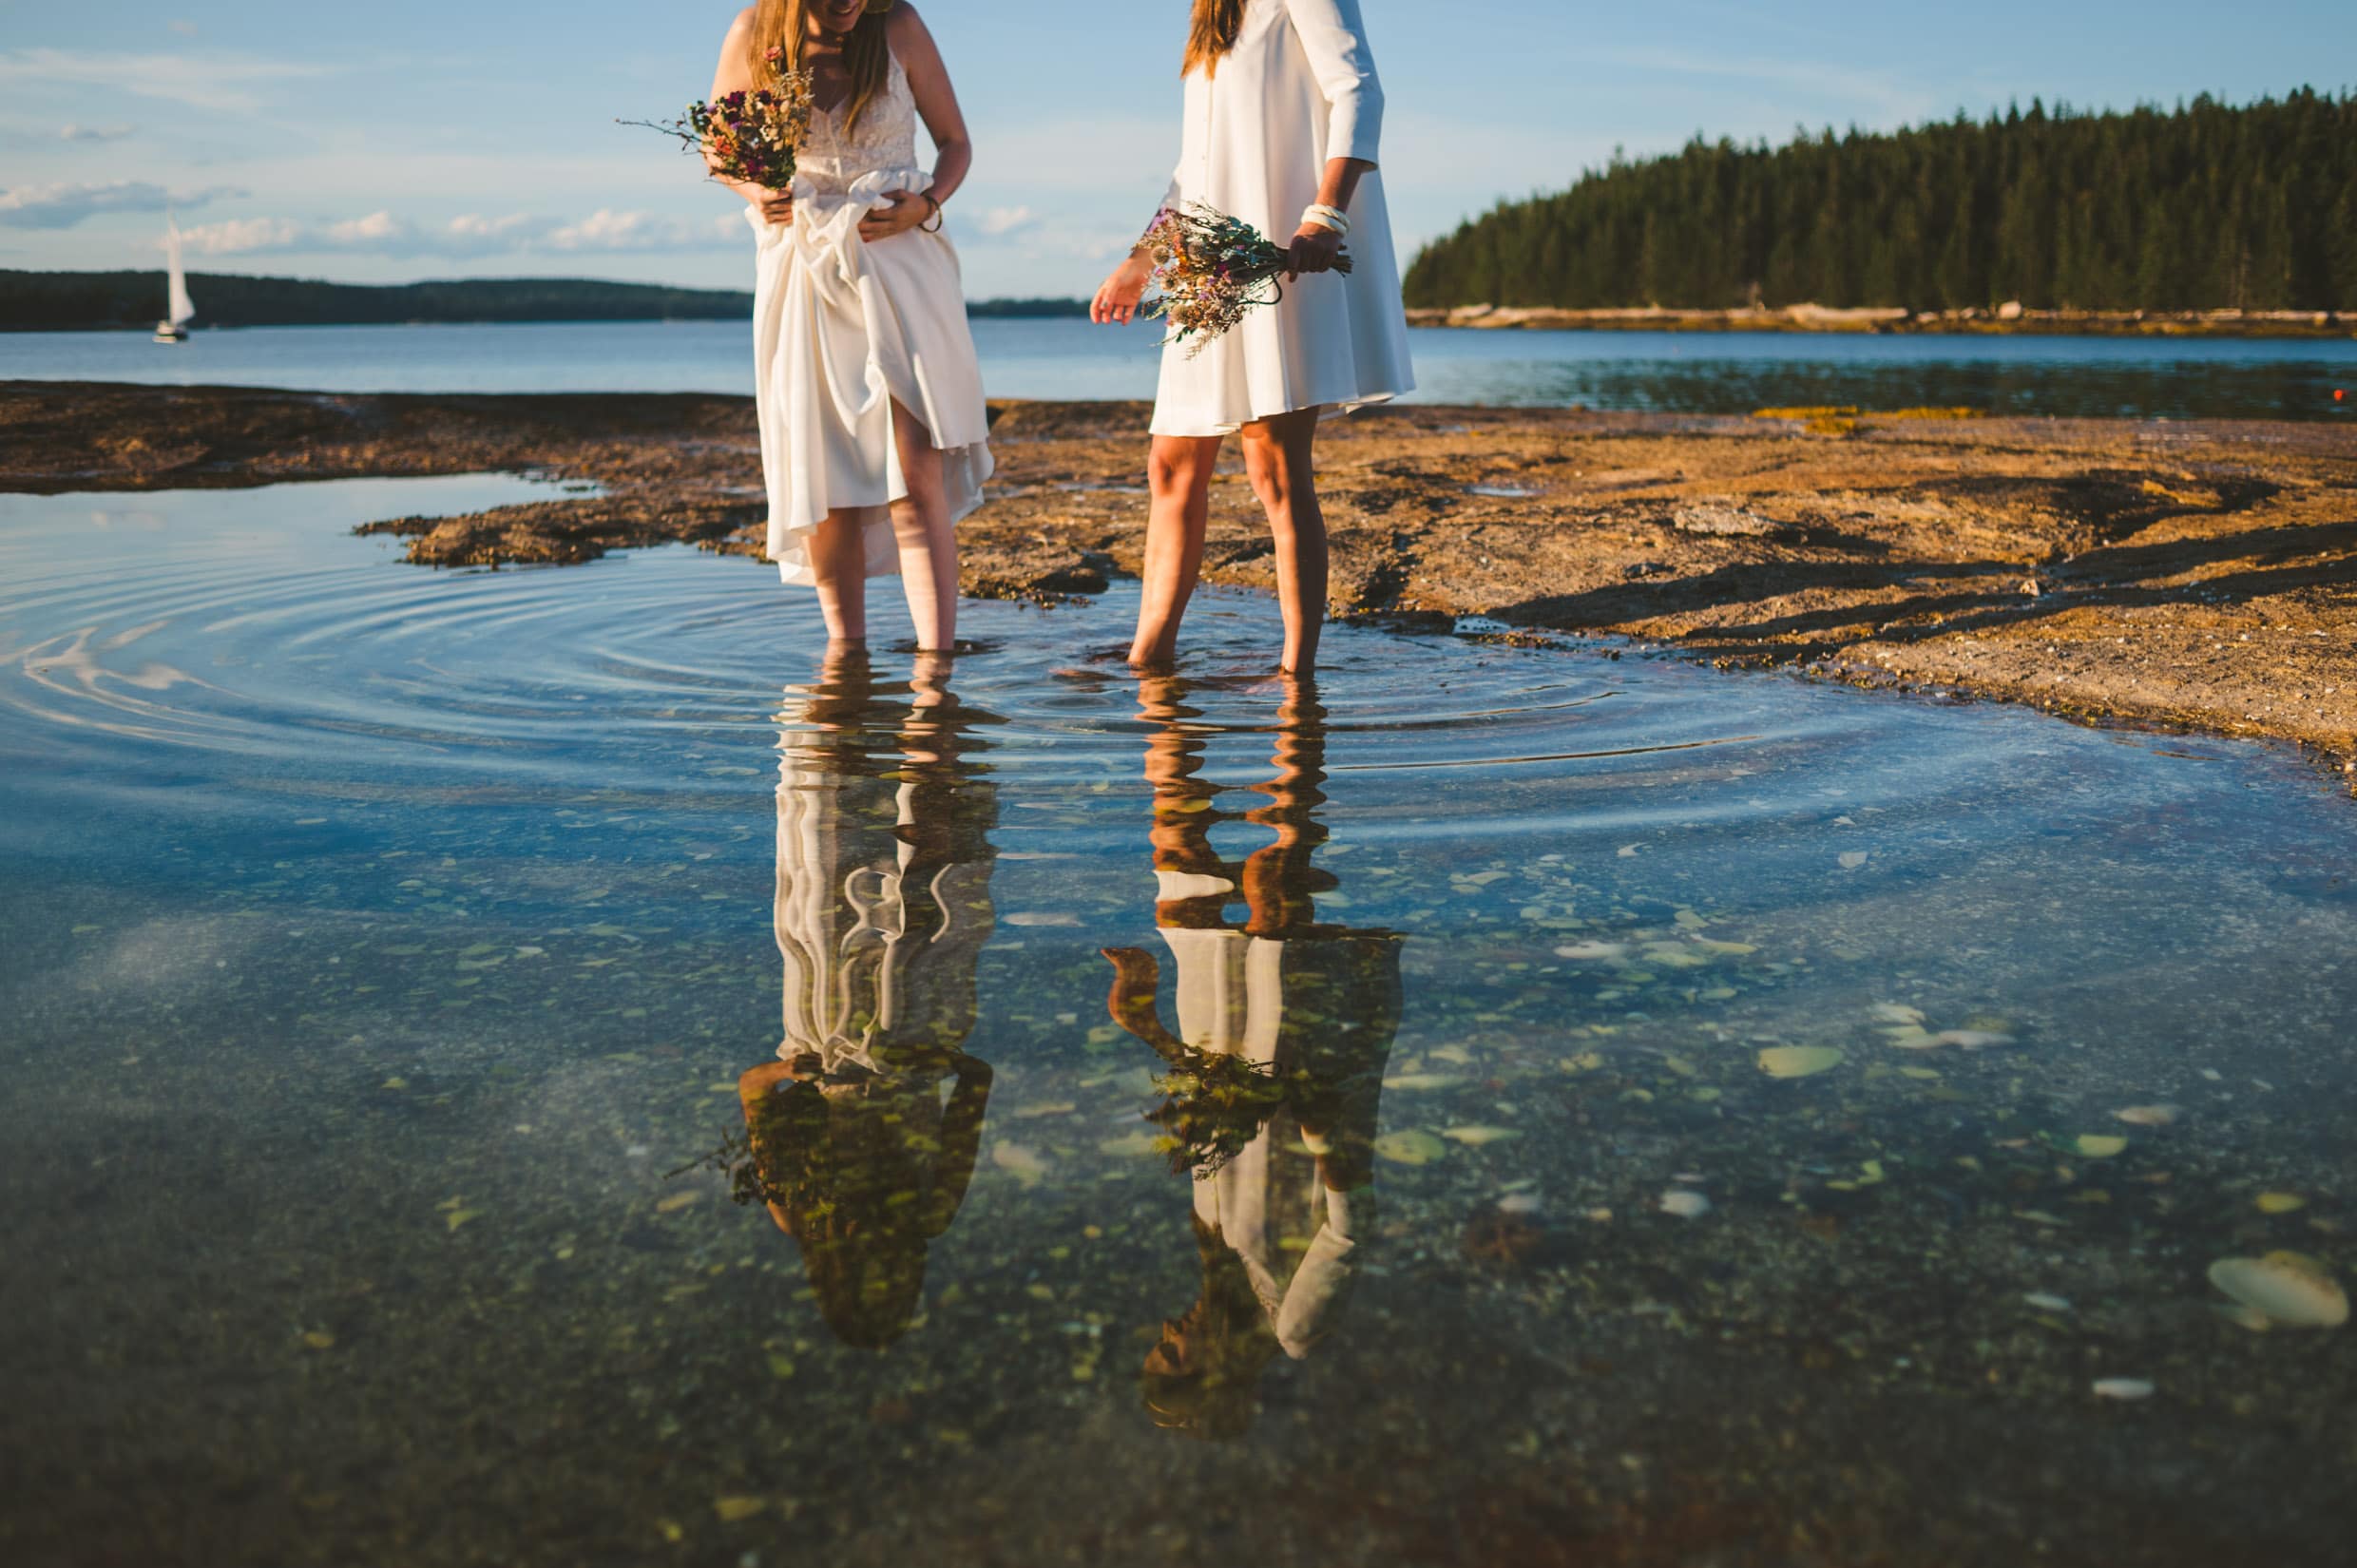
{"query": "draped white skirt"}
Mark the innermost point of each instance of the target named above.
(841, 330)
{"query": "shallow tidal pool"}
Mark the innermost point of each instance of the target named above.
(532, 1066)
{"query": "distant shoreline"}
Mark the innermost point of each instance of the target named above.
(978, 310)
(131, 301)
(2286, 326)
(2006, 321)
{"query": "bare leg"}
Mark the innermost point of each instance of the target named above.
(838, 558)
(1279, 455)
(928, 569)
(1178, 470)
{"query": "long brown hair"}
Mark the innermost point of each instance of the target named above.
(784, 26)
(1216, 23)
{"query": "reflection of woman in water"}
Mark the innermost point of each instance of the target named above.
(1284, 1025)
(883, 906)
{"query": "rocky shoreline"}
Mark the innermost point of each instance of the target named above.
(2195, 575)
(2002, 320)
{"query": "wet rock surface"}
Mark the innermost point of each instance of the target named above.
(2200, 574)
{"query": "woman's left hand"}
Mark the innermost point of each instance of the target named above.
(908, 210)
(1314, 249)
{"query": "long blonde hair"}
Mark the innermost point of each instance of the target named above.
(784, 26)
(1216, 23)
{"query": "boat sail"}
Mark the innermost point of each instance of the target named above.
(179, 309)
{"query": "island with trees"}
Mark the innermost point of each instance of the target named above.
(2207, 217)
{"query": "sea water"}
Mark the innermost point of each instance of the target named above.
(1498, 1103)
(1680, 373)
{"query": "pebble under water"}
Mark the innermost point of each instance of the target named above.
(534, 1067)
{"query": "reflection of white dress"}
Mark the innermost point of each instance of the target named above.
(1298, 88)
(878, 947)
(841, 328)
(1232, 1003)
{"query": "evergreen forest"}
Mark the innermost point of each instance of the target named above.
(2203, 207)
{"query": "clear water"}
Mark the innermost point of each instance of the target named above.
(1680, 373)
(390, 960)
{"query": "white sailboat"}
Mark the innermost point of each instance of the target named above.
(179, 310)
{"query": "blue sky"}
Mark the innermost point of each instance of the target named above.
(435, 139)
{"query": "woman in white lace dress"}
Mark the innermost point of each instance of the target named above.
(874, 436)
(1283, 117)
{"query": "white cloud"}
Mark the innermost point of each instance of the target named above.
(999, 221)
(61, 206)
(473, 226)
(1045, 239)
(94, 133)
(1063, 255)
(607, 230)
(387, 235)
(241, 236)
(226, 82)
(376, 229)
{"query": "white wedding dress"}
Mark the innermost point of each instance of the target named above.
(841, 328)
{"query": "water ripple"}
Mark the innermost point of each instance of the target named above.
(251, 634)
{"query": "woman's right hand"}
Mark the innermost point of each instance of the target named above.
(775, 206)
(1118, 296)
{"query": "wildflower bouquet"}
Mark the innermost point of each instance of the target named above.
(1209, 269)
(752, 137)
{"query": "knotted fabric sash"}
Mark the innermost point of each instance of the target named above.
(833, 346)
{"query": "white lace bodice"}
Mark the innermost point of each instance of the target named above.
(883, 141)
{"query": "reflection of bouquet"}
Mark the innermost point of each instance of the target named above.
(1214, 1105)
(737, 1159)
(752, 137)
(1210, 269)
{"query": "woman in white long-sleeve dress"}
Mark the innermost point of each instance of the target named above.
(874, 436)
(1283, 117)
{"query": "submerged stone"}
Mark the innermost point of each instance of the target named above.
(1800, 1060)
(1412, 1147)
(2147, 1116)
(2288, 1289)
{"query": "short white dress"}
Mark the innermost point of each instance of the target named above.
(1299, 89)
(841, 328)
